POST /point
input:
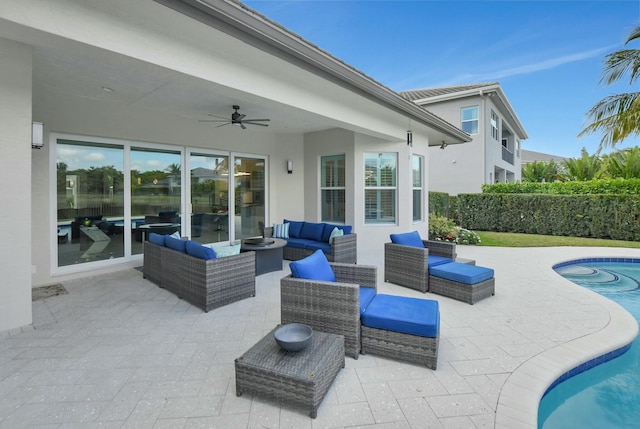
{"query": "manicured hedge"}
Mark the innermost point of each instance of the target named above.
(597, 216)
(439, 203)
(602, 186)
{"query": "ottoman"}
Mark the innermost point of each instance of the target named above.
(403, 328)
(464, 282)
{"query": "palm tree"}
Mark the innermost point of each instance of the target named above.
(623, 164)
(538, 171)
(617, 116)
(587, 167)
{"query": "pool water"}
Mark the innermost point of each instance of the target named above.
(608, 394)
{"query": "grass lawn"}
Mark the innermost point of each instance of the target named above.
(508, 239)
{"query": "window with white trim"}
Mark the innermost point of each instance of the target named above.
(469, 119)
(418, 188)
(380, 189)
(332, 188)
(494, 125)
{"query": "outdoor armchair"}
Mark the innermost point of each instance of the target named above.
(332, 307)
(408, 266)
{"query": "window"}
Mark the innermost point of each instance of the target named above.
(332, 188)
(469, 121)
(418, 193)
(380, 187)
(494, 125)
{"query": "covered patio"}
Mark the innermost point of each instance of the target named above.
(117, 351)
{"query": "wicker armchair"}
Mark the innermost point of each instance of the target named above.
(327, 306)
(409, 266)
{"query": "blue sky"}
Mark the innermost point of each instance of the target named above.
(547, 55)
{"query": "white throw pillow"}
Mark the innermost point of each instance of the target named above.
(337, 232)
(223, 249)
(281, 230)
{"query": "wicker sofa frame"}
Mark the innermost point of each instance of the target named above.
(343, 249)
(397, 345)
(408, 265)
(328, 306)
(207, 284)
(461, 291)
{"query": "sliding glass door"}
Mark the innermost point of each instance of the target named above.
(209, 178)
(249, 196)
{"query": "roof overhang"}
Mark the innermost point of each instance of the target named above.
(243, 23)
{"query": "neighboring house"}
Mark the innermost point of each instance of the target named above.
(529, 156)
(122, 88)
(494, 154)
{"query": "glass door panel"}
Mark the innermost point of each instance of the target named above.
(209, 198)
(90, 201)
(249, 196)
(155, 193)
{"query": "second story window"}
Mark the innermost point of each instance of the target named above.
(469, 119)
(494, 125)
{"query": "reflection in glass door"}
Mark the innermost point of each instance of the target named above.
(209, 177)
(90, 201)
(155, 193)
(249, 196)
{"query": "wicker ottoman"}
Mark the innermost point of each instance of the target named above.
(302, 378)
(467, 283)
(402, 328)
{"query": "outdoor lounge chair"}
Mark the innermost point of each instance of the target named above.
(407, 264)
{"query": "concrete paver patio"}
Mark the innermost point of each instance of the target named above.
(117, 351)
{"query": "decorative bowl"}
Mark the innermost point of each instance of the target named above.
(293, 337)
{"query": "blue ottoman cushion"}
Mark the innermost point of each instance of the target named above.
(434, 260)
(462, 273)
(413, 316)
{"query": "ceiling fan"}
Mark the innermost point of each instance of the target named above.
(237, 119)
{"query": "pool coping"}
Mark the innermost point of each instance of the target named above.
(520, 396)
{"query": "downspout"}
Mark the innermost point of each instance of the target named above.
(484, 136)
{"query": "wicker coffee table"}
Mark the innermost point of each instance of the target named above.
(302, 378)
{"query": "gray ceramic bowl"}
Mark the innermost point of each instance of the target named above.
(293, 337)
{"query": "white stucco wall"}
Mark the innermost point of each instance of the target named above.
(15, 175)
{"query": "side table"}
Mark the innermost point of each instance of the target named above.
(302, 378)
(268, 254)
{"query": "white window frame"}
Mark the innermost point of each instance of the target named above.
(338, 187)
(419, 188)
(378, 220)
(475, 119)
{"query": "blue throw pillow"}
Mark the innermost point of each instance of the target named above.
(175, 244)
(313, 267)
(408, 239)
(156, 239)
(295, 228)
(197, 250)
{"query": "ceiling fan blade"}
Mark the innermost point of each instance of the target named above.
(242, 126)
(241, 117)
(255, 123)
(213, 120)
(223, 125)
(252, 120)
(221, 117)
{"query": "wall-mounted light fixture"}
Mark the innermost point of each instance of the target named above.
(289, 166)
(37, 135)
(409, 138)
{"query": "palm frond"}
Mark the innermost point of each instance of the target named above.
(621, 63)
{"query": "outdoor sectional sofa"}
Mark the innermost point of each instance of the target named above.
(182, 267)
(304, 238)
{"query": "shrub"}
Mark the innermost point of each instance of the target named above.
(442, 228)
(467, 237)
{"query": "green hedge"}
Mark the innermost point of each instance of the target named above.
(603, 186)
(597, 216)
(439, 203)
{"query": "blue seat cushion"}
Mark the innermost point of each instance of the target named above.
(437, 260)
(403, 314)
(197, 250)
(407, 239)
(462, 273)
(318, 245)
(298, 243)
(156, 239)
(366, 295)
(295, 228)
(175, 244)
(313, 267)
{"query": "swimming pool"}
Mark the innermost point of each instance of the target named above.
(597, 394)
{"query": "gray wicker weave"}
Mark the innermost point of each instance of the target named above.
(407, 347)
(207, 284)
(408, 266)
(343, 249)
(301, 378)
(460, 291)
(152, 265)
(326, 306)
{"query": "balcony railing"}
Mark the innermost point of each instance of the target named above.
(507, 155)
